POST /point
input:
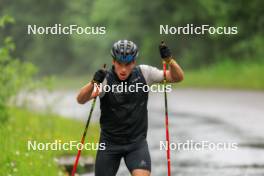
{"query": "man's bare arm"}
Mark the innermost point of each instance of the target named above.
(175, 72)
(91, 90)
(87, 93)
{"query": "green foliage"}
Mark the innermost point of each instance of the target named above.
(5, 20)
(227, 74)
(23, 126)
(138, 21)
(14, 74)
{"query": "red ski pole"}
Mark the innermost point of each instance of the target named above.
(166, 117)
(83, 136)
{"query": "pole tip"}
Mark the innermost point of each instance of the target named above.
(162, 43)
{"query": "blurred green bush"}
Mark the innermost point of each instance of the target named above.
(14, 74)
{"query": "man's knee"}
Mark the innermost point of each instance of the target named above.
(140, 172)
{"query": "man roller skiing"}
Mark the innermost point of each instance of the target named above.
(124, 115)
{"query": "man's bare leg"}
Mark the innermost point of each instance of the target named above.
(140, 172)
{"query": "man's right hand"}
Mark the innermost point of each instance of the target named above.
(99, 76)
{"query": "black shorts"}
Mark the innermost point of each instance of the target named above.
(136, 156)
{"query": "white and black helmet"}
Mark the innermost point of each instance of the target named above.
(124, 51)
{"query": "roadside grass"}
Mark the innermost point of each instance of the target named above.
(23, 126)
(70, 82)
(226, 75)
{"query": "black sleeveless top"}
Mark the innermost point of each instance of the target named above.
(124, 115)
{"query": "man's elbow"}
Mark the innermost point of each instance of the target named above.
(80, 100)
(179, 78)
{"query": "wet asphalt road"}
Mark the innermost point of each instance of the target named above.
(215, 116)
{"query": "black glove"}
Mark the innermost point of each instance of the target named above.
(99, 76)
(165, 52)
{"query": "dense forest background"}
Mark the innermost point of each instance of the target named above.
(134, 20)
